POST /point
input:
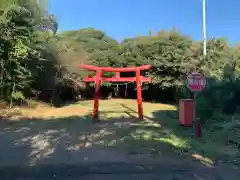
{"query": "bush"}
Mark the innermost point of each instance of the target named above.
(219, 98)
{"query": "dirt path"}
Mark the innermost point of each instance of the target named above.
(60, 144)
(166, 171)
(51, 154)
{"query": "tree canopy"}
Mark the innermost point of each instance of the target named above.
(38, 62)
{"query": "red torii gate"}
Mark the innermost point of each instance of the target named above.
(98, 78)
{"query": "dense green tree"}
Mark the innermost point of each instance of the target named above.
(20, 24)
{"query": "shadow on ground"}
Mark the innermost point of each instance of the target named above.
(73, 145)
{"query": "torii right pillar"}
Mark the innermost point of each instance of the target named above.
(139, 94)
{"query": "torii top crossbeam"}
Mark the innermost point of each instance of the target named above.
(114, 69)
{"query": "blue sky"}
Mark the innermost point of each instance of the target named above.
(128, 18)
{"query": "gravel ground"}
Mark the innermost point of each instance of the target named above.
(119, 171)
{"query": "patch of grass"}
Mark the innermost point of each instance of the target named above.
(84, 103)
(175, 141)
(162, 126)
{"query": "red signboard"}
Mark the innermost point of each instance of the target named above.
(196, 82)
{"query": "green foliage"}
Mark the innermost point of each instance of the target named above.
(101, 50)
(35, 61)
(17, 95)
(19, 23)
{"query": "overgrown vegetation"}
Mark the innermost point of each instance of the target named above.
(36, 62)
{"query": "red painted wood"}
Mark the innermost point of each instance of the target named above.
(121, 79)
(139, 94)
(97, 95)
(198, 128)
(117, 74)
(112, 69)
(186, 109)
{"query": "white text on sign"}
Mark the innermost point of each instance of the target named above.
(195, 81)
